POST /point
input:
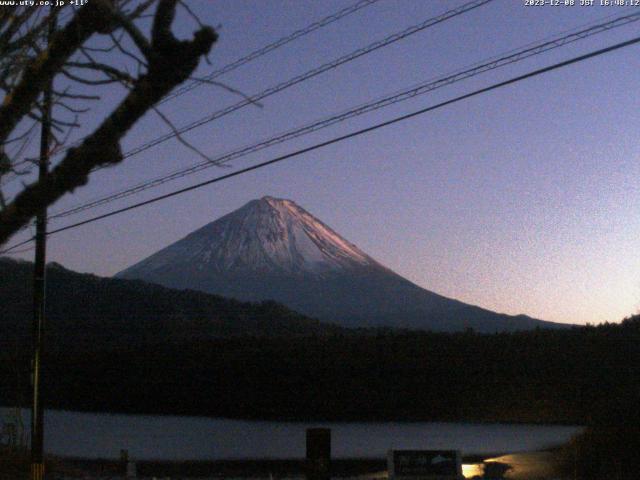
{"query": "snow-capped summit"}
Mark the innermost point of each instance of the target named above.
(273, 249)
(273, 233)
(269, 235)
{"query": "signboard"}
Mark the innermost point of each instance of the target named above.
(425, 464)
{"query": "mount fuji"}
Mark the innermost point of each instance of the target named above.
(272, 249)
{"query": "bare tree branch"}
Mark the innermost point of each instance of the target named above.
(98, 17)
(170, 62)
(179, 136)
(136, 35)
(108, 70)
(229, 89)
(118, 44)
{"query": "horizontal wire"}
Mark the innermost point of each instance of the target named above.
(414, 91)
(308, 75)
(356, 133)
(270, 47)
(256, 54)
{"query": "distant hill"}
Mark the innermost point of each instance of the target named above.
(86, 310)
(273, 249)
(126, 346)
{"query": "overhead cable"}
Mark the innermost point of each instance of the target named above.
(341, 138)
(310, 74)
(270, 47)
(430, 85)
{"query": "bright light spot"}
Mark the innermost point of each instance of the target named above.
(470, 470)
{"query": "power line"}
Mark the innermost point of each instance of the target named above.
(308, 75)
(12, 250)
(478, 68)
(270, 47)
(16, 252)
(311, 73)
(323, 22)
(341, 138)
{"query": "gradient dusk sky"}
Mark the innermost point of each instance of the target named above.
(521, 200)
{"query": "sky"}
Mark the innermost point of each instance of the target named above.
(519, 200)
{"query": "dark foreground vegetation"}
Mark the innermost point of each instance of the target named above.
(121, 346)
(606, 450)
(578, 376)
(14, 465)
(89, 312)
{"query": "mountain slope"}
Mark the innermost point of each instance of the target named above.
(86, 310)
(265, 236)
(273, 249)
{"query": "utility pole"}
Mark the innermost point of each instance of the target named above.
(39, 283)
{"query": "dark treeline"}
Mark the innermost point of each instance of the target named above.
(89, 312)
(129, 346)
(582, 375)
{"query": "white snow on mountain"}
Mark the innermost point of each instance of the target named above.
(265, 235)
(272, 249)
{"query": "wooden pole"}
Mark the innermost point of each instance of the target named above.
(39, 286)
(318, 454)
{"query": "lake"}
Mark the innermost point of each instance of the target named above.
(100, 435)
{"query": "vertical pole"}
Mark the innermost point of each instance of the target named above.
(318, 454)
(124, 461)
(39, 284)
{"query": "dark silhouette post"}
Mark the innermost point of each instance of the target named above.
(318, 454)
(39, 285)
(124, 461)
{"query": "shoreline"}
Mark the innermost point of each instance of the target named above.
(521, 465)
(296, 420)
(242, 468)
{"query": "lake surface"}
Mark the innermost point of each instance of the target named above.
(98, 435)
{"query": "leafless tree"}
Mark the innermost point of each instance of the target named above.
(100, 44)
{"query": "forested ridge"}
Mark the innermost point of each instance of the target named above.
(274, 363)
(85, 311)
(580, 376)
